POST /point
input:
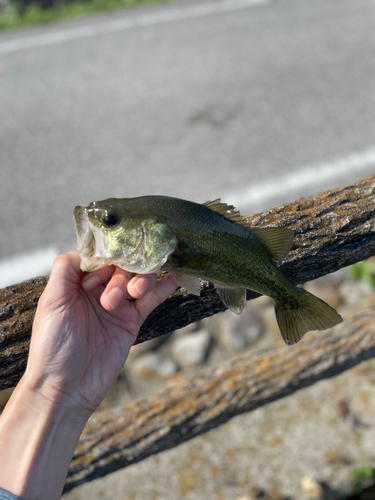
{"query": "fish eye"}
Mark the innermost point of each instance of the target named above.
(110, 220)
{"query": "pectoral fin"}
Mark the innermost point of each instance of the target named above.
(233, 298)
(190, 283)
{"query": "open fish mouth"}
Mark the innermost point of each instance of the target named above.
(82, 227)
(90, 242)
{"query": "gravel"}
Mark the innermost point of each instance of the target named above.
(302, 447)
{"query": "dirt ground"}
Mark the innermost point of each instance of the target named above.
(313, 445)
(324, 432)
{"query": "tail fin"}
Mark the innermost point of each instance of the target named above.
(310, 314)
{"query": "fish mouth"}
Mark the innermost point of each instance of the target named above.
(90, 242)
(82, 227)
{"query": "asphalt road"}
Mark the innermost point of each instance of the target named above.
(256, 102)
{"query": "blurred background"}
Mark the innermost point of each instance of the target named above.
(258, 102)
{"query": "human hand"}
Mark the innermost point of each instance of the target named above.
(82, 332)
(84, 328)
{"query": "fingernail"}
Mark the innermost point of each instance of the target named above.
(90, 282)
(114, 297)
(141, 285)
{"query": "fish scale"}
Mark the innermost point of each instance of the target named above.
(192, 241)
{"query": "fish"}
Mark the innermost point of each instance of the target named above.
(210, 241)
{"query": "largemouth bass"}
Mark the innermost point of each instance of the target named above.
(209, 241)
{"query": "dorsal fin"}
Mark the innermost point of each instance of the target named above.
(227, 211)
(278, 240)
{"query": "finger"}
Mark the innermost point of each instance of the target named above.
(66, 267)
(63, 280)
(161, 291)
(116, 290)
(141, 284)
(96, 278)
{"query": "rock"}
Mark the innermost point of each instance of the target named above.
(191, 349)
(264, 308)
(357, 294)
(310, 488)
(153, 365)
(238, 331)
(336, 278)
(262, 301)
(193, 327)
(260, 494)
(327, 291)
(268, 318)
(150, 345)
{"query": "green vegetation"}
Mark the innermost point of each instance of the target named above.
(363, 271)
(14, 14)
(361, 478)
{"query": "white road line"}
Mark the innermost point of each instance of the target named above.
(160, 17)
(309, 176)
(23, 267)
(39, 262)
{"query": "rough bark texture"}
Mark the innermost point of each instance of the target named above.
(119, 437)
(17, 309)
(332, 230)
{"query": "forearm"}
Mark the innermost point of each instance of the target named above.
(81, 338)
(37, 442)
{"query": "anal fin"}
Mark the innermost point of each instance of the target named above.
(190, 283)
(233, 298)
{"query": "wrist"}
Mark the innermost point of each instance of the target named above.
(45, 400)
(37, 438)
(55, 400)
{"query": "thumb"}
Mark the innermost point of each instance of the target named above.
(63, 281)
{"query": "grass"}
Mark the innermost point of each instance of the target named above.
(13, 16)
(361, 478)
(363, 271)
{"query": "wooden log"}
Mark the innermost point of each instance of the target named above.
(332, 230)
(122, 436)
(17, 309)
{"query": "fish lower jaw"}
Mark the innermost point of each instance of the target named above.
(94, 263)
(137, 268)
(139, 265)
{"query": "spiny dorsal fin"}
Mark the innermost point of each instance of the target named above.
(278, 240)
(227, 211)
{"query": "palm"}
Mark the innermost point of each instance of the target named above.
(103, 344)
(84, 344)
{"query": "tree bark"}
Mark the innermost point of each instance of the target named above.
(332, 230)
(122, 436)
